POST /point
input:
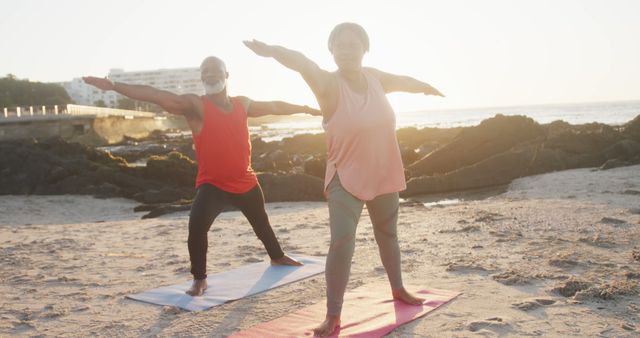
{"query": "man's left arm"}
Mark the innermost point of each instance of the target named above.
(262, 108)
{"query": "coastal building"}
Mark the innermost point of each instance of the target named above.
(84, 94)
(176, 80)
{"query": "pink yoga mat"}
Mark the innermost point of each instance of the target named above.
(368, 311)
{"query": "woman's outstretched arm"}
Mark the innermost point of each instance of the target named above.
(400, 83)
(317, 78)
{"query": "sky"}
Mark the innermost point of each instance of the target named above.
(478, 53)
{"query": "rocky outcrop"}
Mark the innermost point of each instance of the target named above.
(493, 153)
(55, 166)
(291, 187)
(493, 136)
(483, 156)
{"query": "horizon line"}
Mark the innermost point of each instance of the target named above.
(564, 103)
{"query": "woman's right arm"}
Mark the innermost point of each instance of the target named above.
(172, 103)
(317, 78)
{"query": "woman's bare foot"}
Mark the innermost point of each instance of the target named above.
(404, 296)
(197, 288)
(330, 324)
(285, 260)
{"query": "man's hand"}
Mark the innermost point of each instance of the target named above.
(312, 111)
(259, 47)
(429, 90)
(101, 83)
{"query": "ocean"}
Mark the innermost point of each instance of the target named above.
(612, 113)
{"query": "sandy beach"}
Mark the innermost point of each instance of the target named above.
(556, 255)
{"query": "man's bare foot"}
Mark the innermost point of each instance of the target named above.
(197, 288)
(404, 296)
(285, 260)
(330, 324)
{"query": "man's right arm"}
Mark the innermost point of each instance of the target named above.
(172, 103)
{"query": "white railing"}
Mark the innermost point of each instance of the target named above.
(70, 110)
(30, 111)
(74, 109)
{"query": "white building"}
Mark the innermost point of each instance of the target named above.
(82, 93)
(177, 80)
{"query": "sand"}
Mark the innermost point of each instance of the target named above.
(556, 255)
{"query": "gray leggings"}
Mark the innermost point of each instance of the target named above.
(344, 213)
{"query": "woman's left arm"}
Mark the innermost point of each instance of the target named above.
(400, 83)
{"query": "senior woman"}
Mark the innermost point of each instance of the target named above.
(364, 165)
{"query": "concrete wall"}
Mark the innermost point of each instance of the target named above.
(90, 130)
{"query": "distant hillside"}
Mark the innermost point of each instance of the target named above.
(15, 92)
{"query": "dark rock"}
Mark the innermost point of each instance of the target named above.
(105, 190)
(166, 209)
(426, 149)
(583, 139)
(493, 153)
(258, 146)
(625, 150)
(614, 163)
(137, 152)
(57, 173)
(497, 170)
(174, 167)
(262, 163)
(525, 149)
(315, 167)
(545, 160)
(492, 137)
(408, 156)
(583, 160)
(55, 166)
(632, 129)
(157, 143)
(295, 187)
(159, 196)
(281, 160)
(314, 144)
(298, 160)
(557, 127)
(413, 138)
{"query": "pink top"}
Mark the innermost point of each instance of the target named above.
(361, 142)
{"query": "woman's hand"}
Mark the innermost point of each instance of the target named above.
(429, 90)
(259, 47)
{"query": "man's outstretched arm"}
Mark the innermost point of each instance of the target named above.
(173, 103)
(262, 108)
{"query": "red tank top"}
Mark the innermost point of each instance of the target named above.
(223, 149)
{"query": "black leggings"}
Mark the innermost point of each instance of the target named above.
(210, 201)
